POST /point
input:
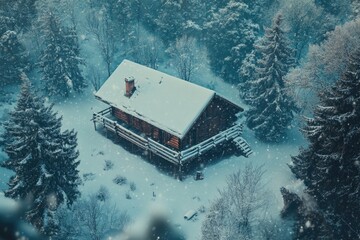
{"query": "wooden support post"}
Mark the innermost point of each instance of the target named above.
(180, 172)
(94, 122)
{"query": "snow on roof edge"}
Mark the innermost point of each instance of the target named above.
(230, 101)
(180, 132)
(198, 115)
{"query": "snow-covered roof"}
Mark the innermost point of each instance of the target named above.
(164, 101)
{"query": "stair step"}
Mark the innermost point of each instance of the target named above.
(242, 145)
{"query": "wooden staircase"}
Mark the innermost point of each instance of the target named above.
(243, 146)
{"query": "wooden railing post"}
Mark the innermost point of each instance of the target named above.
(94, 120)
(180, 172)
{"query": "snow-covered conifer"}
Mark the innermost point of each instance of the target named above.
(42, 157)
(330, 165)
(60, 61)
(272, 109)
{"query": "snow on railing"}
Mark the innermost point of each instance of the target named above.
(175, 157)
(206, 145)
(163, 151)
(145, 143)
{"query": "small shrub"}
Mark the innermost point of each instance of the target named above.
(108, 165)
(120, 180)
(127, 195)
(202, 209)
(103, 194)
(88, 176)
(196, 198)
(132, 186)
(79, 182)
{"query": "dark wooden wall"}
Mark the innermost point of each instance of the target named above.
(218, 116)
(148, 129)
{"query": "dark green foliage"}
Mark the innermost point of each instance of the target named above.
(340, 9)
(170, 21)
(42, 157)
(60, 61)
(13, 58)
(22, 11)
(51, 228)
(330, 165)
(272, 109)
(230, 33)
(6, 23)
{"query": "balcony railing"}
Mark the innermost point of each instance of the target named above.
(175, 157)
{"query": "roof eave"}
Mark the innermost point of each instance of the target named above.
(197, 117)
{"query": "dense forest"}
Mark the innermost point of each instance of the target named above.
(295, 63)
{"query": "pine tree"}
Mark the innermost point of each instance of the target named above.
(330, 165)
(230, 34)
(272, 109)
(60, 59)
(42, 157)
(12, 53)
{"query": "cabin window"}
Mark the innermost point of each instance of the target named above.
(146, 128)
(155, 133)
(121, 115)
(135, 122)
(166, 137)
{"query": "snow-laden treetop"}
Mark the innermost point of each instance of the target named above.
(164, 101)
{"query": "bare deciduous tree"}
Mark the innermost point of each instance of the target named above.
(99, 24)
(324, 65)
(305, 24)
(185, 57)
(146, 48)
(95, 78)
(236, 212)
(92, 219)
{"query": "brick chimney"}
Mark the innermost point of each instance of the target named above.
(129, 86)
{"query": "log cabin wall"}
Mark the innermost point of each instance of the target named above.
(217, 116)
(149, 130)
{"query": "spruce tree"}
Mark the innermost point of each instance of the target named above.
(42, 157)
(272, 109)
(60, 61)
(330, 165)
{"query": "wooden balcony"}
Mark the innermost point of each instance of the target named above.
(178, 158)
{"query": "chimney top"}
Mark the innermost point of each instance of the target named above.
(129, 79)
(129, 86)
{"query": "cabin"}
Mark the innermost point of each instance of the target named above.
(167, 116)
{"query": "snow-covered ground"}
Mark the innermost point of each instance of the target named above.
(171, 195)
